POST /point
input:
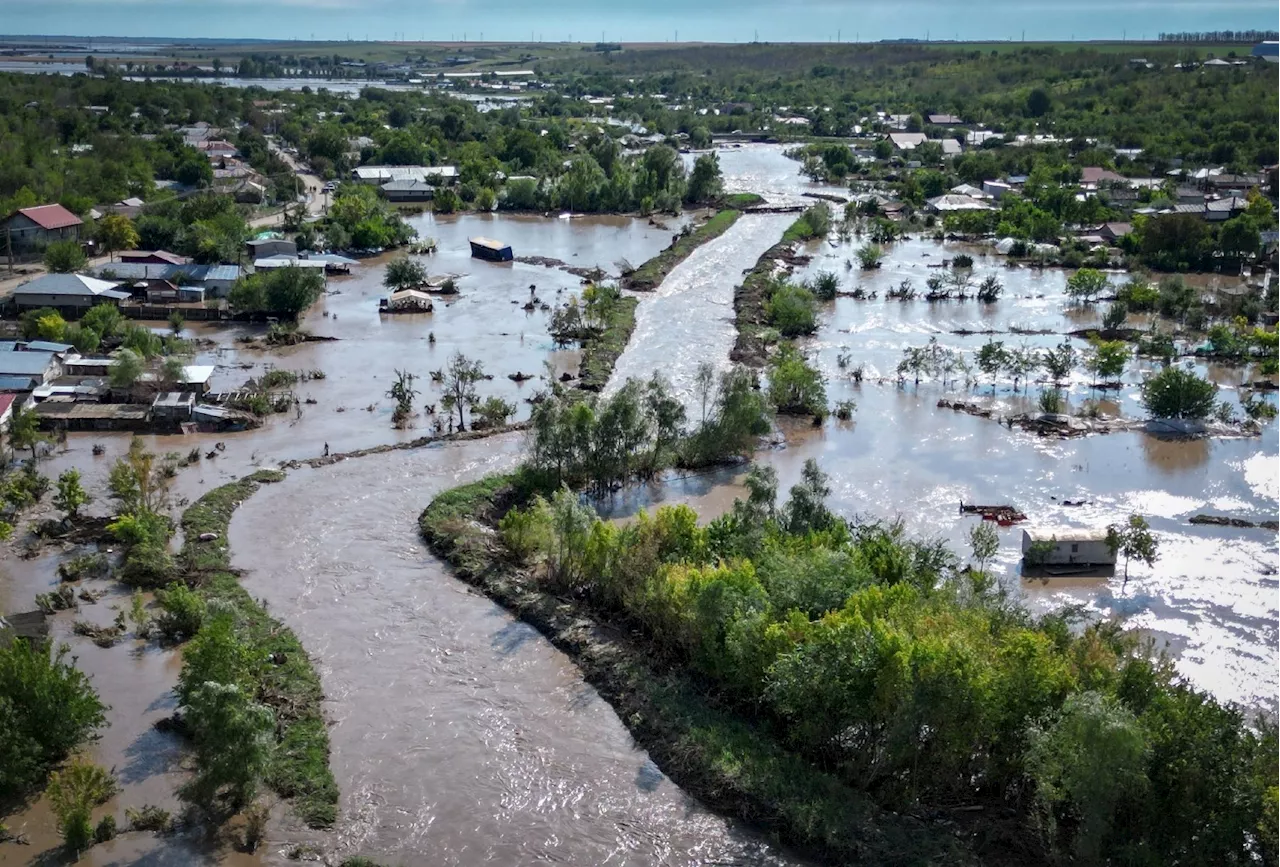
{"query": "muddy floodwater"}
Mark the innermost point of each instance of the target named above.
(460, 736)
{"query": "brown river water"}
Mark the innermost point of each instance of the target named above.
(459, 735)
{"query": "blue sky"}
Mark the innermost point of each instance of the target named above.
(645, 20)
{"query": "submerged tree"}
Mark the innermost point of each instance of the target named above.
(404, 273)
(460, 378)
(403, 393)
(1133, 539)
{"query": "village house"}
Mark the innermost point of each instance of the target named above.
(66, 292)
(944, 120)
(1094, 177)
(35, 228)
(408, 191)
(261, 248)
(384, 174)
(22, 371)
(153, 257)
(7, 404)
(1066, 547)
(907, 141)
(215, 280)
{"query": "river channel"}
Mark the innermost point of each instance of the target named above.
(462, 737)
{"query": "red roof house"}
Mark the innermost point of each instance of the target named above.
(32, 228)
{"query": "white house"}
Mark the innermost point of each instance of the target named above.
(1067, 546)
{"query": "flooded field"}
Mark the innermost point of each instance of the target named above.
(459, 735)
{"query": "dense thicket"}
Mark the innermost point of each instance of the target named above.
(882, 661)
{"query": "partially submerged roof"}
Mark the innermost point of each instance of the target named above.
(196, 373)
(489, 243)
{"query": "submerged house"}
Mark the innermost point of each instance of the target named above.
(494, 251)
(1066, 549)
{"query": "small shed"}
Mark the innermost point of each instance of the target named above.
(195, 377)
(1066, 546)
(173, 405)
(494, 251)
(262, 248)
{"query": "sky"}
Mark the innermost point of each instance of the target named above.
(636, 21)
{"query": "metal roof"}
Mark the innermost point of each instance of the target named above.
(77, 285)
(51, 217)
(48, 346)
(1065, 534)
(16, 383)
(25, 363)
(151, 271)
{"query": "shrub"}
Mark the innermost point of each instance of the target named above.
(962, 260)
(73, 792)
(147, 565)
(182, 612)
(792, 310)
(824, 286)
(869, 256)
(1051, 401)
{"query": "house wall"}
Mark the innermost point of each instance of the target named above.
(58, 302)
(26, 234)
(1094, 552)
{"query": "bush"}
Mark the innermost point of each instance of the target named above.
(64, 257)
(824, 286)
(869, 256)
(47, 708)
(492, 412)
(1179, 394)
(73, 793)
(1051, 401)
(148, 565)
(182, 612)
(792, 310)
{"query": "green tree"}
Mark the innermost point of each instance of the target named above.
(71, 495)
(1038, 102)
(126, 370)
(1086, 284)
(106, 319)
(47, 708)
(404, 273)
(806, 509)
(1133, 539)
(795, 386)
(1107, 359)
(992, 358)
(1085, 763)
(1180, 394)
(233, 738)
(792, 310)
(984, 541)
(705, 182)
(116, 232)
(64, 257)
(24, 431)
(459, 381)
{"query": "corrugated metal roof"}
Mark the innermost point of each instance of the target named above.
(51, 217)
(70, 285)
(151, 271)
(25, 363)
(17, 383)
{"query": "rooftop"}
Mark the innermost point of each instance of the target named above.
(72, 286)
(51, 217)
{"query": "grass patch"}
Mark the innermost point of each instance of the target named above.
(600, 353)
(719, 753)
(290, 685)
(742, 201)
(651, 273)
